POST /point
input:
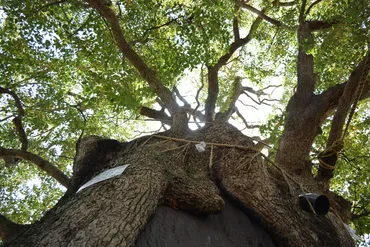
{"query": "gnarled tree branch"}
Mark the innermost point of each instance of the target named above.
(259, 93)
(197, 97)
(145, 71)
(214, 69)
(43, 164)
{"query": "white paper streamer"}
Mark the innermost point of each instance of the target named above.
(200, 147)
(104, 176)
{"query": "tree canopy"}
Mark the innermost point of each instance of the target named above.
(74, 68)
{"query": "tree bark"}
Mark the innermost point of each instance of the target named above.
(169, 171)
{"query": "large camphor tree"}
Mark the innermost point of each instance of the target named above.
(78, 79)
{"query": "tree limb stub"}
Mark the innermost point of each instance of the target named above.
(43, 164)
(145, 71)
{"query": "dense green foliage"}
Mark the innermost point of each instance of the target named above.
(63, 63)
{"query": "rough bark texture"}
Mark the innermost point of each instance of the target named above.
(9, 229)
(172, 173)
(302, 119)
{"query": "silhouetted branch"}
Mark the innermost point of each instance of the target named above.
(301, 12)
(312, 5)
(259, 93)
(158, 115)
(17, 100)
(260, 13)
(284, 4)
(236, 27)
(248, 105)
(213, 86)
(358, 216)
(43, 164)
(17, 121)
(247, 126)
(145, 37)
(197, 96)
(80, 28)
(179, 96)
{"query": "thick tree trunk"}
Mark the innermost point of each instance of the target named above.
(295, 145)
(173, 173)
